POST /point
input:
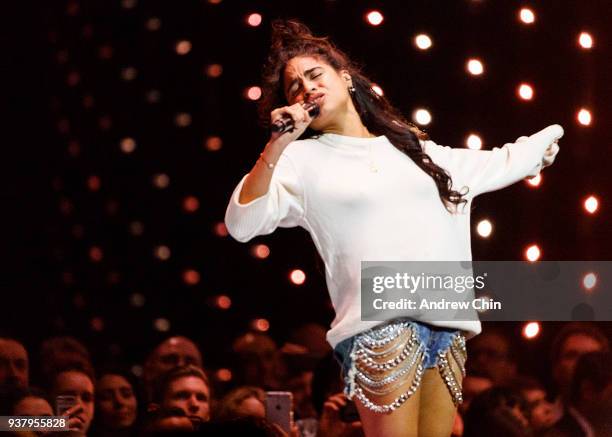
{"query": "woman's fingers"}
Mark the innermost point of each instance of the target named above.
(550, 154)
(73, 410)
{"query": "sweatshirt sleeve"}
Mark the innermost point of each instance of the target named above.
(483, 171)
(282, 205)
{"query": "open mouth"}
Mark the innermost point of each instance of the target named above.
(318, 98)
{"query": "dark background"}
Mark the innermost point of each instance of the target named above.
(59, 135)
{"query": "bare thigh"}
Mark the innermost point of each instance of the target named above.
(437, 410)
(402, 422)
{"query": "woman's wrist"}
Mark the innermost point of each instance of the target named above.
(271, 154)
(265, 162)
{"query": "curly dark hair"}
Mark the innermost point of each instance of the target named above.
(290, 39)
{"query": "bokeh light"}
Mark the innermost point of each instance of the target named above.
(253, 93)
(531, 330)
(535, 181)
(589, 281)
(297, 277)
(475, 67)
(527, 16)
(474, 142)
(375, 18)
(254, 20)
(525, 91)
(484, 228)
(183, 47)
(591, 204)
(260, 251)
(533, 253)
(584, 117)
(423, 41)
(191, 277)
(585, 40)
(378, 90)
(421, 116)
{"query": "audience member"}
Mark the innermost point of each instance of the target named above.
(186, 388)
(79, 384)
(116, 404)
(499, 412)
(14, 363)
(490, 355)
(173, 352)
(243, 401)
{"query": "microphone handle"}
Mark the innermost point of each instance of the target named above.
(286, 122)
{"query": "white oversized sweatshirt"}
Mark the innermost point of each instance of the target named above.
(363, 199)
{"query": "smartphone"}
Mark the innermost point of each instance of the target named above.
(63, 403)
(349, 412)
(279, 406)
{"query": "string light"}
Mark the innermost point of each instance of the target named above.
(591, 204)
(254, 20)
(474, 142)
(585, 40)
(421, 116)
(191, 277)
(475, 67)
(260, 251)
(377, 89)
(584, 117)
(375, 18)
(533, 253)
(484, 228)
(525, 91)
(297, 277)
(423, 41)
(183, 47)
(253, 93)
(589, 281)
(527, 16)
(535, 181)
(531, 330)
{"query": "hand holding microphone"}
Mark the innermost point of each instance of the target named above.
(289, 122)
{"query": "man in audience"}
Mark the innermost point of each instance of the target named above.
(490, 355)
(58, 353)
(14, 364)
(573, 340)
(589, 403)
(258, 361)
(541, 412)
(79, 384)
(173, 352)
(186, 388)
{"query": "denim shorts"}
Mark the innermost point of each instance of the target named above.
(379, 361)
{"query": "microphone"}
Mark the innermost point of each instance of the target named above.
(285, 123)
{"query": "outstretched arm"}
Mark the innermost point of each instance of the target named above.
(489, 170)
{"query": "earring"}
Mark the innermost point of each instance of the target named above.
(351, 89)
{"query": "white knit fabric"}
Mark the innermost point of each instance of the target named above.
(327, 185)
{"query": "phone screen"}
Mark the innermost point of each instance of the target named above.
(279, 408)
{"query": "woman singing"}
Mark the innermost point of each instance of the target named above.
(369, 185)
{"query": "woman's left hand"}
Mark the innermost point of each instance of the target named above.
(550, 154)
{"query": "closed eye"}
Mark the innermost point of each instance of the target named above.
(294, 92)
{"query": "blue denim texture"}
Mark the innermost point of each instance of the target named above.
(434, 339)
